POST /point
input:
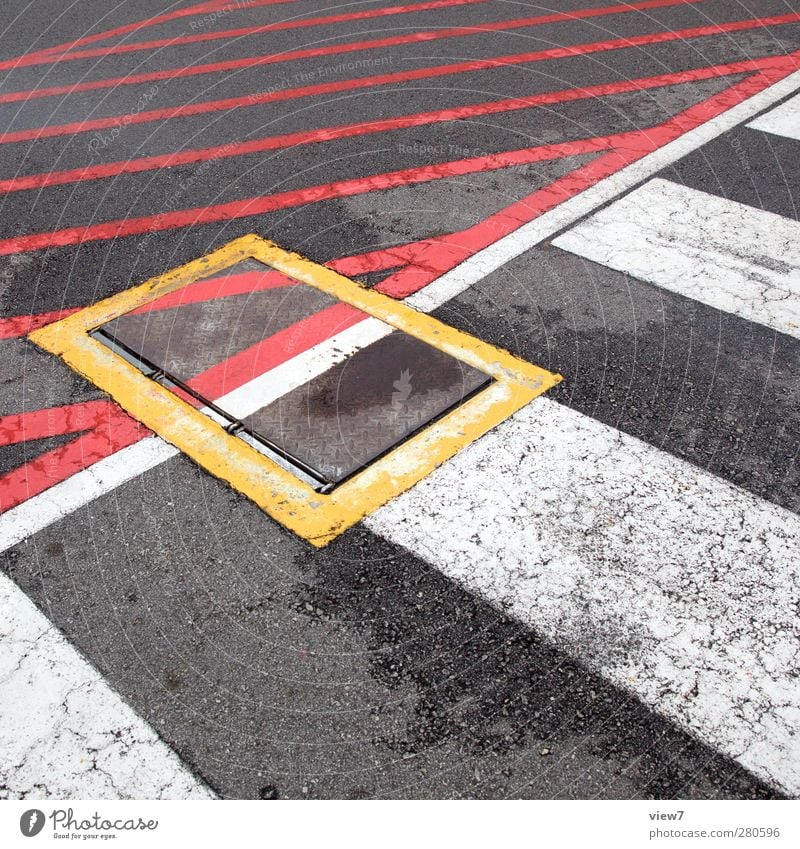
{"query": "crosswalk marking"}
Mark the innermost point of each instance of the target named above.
(496, 255)
(783, 120)
(63, 732)
(672, 583)
(725, 254)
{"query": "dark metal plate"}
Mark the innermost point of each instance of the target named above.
(364, 407)
(191, 337)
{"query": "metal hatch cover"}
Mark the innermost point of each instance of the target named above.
(326, 429)
(314, 396)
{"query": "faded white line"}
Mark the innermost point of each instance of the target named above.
(63, 732)
(783, 120)
(725, 254)
(665, 579)
(441, 290)
(478, 266)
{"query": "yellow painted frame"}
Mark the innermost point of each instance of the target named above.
(315, 517)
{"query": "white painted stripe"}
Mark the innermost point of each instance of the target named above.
(107, 474)
(63, 732)
(474, 269)
(665, 579)
(725, 254)
(783, 120)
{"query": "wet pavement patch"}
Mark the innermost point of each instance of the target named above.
(315, 396)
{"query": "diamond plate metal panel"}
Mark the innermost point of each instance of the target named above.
(195, 335)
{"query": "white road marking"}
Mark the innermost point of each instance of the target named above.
(725, 254)
(63, 732)
(479, 265)
(783, 120)
(733, 731)
(668, 581)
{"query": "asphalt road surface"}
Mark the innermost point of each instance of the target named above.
(597, 598)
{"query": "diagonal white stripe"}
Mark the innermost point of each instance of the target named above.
(783, 120)
(665, 579)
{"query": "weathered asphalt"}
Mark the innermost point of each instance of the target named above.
(358, 671)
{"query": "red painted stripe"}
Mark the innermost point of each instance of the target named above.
(351, 266)
(431, 258)
(109, 430)
(261, 281)
(218, 287)
(277, 349)
(283, 200)
(22, 325)
(378, 260)
(47, 55)
(54, 421)
(388, 79)
(144, 23)
(185, 157)
(299, 337)
(239, 33)
(306, 53)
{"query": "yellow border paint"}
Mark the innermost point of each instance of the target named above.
(315, 517)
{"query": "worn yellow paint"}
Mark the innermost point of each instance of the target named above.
(315, 517)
